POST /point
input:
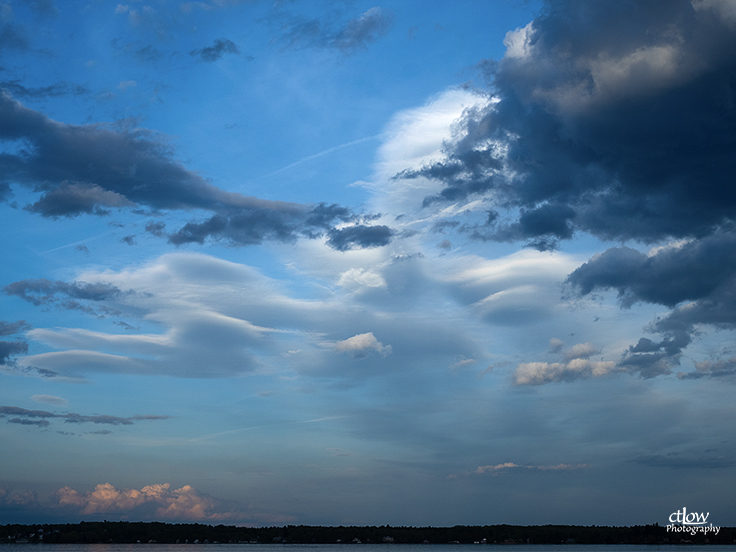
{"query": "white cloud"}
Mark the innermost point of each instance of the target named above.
(223, 319)
(462, 364)
(725, 9)
(361, 345)
(50, 399)
(556, 345)
(516, 289)
(359, 278)
(518, 42)
(415, 138)
(538, 373)
(581, 350)
(497, 467)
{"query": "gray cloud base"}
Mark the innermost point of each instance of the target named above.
(89, 169)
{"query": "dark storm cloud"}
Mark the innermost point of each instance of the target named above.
(11, 348)
(212, 53)
(249, 226)
(359, 236)
(89, 169)
(613, 118)
(10, 328)
(74, 199)
(347, 37)
(697, 280)
(689, 272)
(39, 417)
(42, 291)
(617, 119)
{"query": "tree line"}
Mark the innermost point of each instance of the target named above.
(183, 533)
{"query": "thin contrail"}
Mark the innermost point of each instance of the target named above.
(240, 429)
(322, 153)
(77, 243)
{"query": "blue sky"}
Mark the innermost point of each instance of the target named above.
(346, 263)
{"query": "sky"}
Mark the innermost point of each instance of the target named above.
(339, 263)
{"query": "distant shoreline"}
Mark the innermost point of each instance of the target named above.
(124, 532)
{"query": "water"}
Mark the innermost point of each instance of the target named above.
(361, 548)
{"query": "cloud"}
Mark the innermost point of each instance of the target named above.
(696, 279)
(74, 199)
(41, 417)
(556, 345)
(10, 328)
(517, 289)
(50, 399)
(359, 346)
(581, 350)
(11, 348)
(89, 169)
(53, 90)
(210, 318)
(157, 502)
(18, 498)
(592, 129)
(496, 469)
(348, 37)
(205, 333)
(711, 369)
(363, 30)
(359, 236)
(538, 373)
(66, 296)
(220, 47)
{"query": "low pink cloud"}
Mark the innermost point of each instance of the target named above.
(160, 502)
(495, 469)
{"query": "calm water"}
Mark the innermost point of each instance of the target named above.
(360, 548)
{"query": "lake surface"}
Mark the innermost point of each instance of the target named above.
(361, 548)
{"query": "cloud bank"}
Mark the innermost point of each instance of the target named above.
(622, 134)
(158, 502)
